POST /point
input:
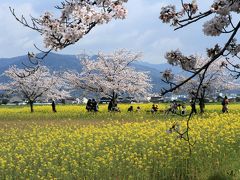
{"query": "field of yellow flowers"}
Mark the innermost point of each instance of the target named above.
(74, 144)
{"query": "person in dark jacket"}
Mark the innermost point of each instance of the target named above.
(89, 105)
(225, 104)
(110, 105)
(130, 109)
(53, 106)
(94, 105)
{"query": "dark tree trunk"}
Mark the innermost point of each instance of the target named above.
(114, 98)
(31, 106)
(193, 107)
(201, 101)
(201, 105)
(113, 105)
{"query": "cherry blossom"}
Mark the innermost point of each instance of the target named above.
(40, 84)
(77, 18)
(221, 18)
(215, 26)
(216, 79)
(177, 58)
(111, 75)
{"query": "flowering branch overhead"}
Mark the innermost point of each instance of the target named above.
(78, 18)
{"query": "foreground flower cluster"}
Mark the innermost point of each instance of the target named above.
(118, 150)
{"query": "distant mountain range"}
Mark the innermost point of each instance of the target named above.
(59, 62)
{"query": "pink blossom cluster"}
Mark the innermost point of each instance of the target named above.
(216, 25)
(224, 7)
(168, 75)
(223, 10)
(77, 18)
(234, 47)
(177, 58)
(169, 14)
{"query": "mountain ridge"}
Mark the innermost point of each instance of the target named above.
(61, 62)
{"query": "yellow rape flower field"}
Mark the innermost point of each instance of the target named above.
(74, 144)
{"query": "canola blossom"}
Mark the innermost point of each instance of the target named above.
(118, 149)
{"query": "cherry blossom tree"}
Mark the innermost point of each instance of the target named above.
(111, 75)
(216, 79)
(40, 84)
(225, 21)
(77, 18)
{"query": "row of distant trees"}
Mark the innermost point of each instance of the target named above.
(78, 18)
(110, 75)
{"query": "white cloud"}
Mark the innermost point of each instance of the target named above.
(167, 43)
(161, 46)
(15, 39)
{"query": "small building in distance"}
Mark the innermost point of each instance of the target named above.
(157, 99)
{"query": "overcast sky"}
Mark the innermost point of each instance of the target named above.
(141, 31)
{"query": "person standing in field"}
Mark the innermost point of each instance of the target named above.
(94, 105)
(89, 105)
(53, 106)
(183, 111)
(130, 109)
(154, 108)
(138, 109)
(110, 105)
(174, 107)
(225, 102)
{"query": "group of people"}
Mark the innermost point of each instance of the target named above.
(181, 107)
(193, 106)
(112, 106)
(224, 103)
(174, 108)
(154, 108)
(130, 109)
(92, 105)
